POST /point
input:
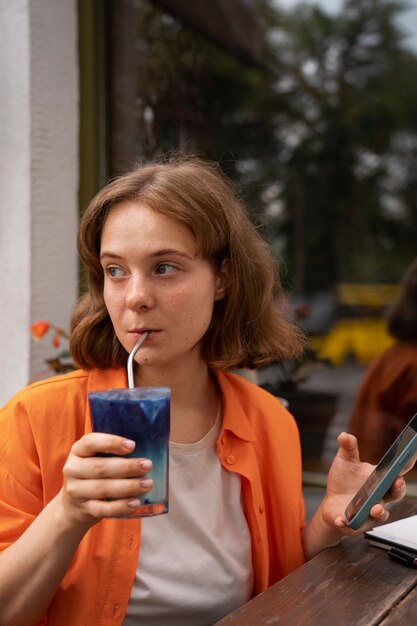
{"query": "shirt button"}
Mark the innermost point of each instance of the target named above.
(261, 508)
(230, 459)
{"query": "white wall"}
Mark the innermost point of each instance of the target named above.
(38, 179)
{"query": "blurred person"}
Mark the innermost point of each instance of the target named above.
(387, 397)
(170, 251)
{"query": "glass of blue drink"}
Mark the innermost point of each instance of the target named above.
(143, 415)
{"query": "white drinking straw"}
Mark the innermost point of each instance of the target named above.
(130, 378)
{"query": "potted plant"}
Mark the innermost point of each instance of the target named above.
(61, 362)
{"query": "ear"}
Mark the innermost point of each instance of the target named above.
(222, 281)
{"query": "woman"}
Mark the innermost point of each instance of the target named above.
(169, 250)
(387, 397)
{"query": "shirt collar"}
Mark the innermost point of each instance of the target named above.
(235, 418)
(99, 380)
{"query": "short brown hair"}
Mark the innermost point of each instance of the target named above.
(246, 329)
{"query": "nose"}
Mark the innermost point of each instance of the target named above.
(139, 293)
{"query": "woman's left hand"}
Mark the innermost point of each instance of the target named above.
(346, 476)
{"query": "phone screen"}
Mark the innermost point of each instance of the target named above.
(383, 467)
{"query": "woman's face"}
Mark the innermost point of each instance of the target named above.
(154, 281)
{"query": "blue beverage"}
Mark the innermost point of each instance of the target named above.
(143, 415)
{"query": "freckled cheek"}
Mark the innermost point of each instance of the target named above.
(190, 305)
(177, 302)
(193, 320)
(114, 302)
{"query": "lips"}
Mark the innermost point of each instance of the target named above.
(137, 332)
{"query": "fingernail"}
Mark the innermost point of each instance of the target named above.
(128, 443)
(134, 503)
(146, 483)
(146, 464)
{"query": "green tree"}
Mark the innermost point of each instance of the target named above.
(349, 136)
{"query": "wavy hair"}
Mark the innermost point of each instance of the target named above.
(247, 329)
(402, 316)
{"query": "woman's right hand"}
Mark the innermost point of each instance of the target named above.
(96, 487)
(28, 580)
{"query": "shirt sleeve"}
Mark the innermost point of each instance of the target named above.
(21, 497)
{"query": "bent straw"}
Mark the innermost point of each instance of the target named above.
(130, 379)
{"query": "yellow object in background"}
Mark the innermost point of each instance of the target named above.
(358, 339)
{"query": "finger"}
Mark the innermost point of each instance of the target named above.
(113, 508)
(348, 448)
(106, 467)
(340, 522)
(342, 526)
(378, 513)
(396, 491)
(96, 443)
(100, 489)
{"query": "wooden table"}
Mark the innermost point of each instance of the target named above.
(354, 584)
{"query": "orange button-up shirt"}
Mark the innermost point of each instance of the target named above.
(259, 441)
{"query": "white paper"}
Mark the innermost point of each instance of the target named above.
(402, 532)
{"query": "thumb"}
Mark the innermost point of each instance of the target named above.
(348, 448)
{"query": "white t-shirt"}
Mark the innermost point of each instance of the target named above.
(195, 562)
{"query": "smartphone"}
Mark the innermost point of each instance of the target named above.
(384, 474)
